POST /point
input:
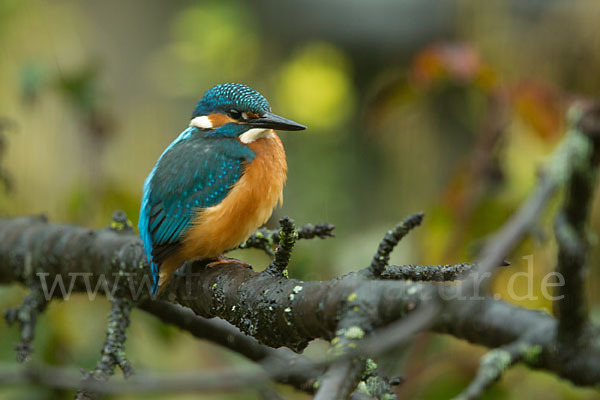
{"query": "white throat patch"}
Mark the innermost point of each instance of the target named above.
(254, 134)
(202, 122)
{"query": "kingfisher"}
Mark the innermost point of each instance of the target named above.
(216, 183)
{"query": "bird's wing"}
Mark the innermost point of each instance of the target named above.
(191, 174)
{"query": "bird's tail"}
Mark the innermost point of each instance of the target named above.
(163, 272)
(155, 277)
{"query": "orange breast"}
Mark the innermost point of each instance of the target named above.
(248, 205)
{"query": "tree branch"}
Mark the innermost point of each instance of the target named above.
(492, 366)
(267, 239)
(113, 353)
(389, 241)
(570, 227)
(340, 379)
(342, 375)
(287, 239)
(181, 382)
(428, 273)
(26, 317)
(263, 306)
(286, 366)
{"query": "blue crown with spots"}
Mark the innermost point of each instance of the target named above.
(227, 96)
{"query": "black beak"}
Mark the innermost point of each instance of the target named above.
(272, 121)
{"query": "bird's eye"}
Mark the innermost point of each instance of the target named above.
(235, 114)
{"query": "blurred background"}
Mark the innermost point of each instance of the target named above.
(445, 107)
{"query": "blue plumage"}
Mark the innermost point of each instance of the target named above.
(199, 168)
(231, 95)
(196, 171)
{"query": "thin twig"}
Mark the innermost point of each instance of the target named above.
(26, 317)
(492, 366)
(322, 230)
(571, 232)
(287, 239)
(389, 241)
(429, 273)
(113, 354)
(340, 380)
(282, 364)
(187, 381)
(267, 239)
(349, 369)
(344, 372)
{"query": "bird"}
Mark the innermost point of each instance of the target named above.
(215, 184)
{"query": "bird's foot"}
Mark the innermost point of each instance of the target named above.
(225, 260)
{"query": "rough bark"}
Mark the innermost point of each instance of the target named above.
(275, 310)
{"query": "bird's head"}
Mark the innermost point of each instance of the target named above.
(236, 110)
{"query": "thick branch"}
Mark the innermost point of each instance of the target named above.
(275, 310)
